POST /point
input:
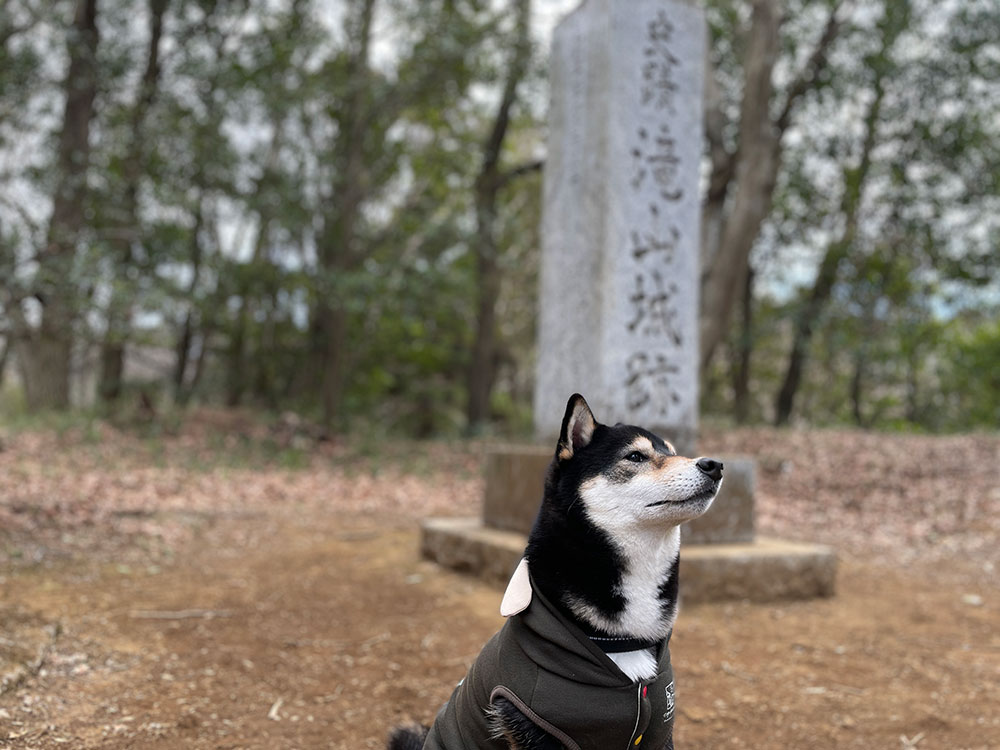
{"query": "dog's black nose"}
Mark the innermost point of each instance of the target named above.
(710, 467)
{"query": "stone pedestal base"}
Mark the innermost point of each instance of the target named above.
(722, 558)
(764, 570)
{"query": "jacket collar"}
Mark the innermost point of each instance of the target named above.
(563, 645)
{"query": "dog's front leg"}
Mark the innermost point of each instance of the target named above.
(507, 723)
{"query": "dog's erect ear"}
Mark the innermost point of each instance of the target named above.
(577, 428)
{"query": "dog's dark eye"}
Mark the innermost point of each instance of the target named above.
(636, 457)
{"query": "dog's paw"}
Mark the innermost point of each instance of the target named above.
(508, 724)
(407, 738)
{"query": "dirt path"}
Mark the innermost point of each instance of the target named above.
(310, 637)
(234, 585)
(324, 631)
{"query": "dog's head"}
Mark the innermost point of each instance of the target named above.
(627, 478)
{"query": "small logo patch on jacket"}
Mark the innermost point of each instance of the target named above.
(669, 713)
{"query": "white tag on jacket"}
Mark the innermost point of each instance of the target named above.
(517, 597)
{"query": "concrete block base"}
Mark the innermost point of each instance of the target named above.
(764, 570)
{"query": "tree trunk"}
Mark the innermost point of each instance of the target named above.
(45, 351)
(183, 353)
(739, 196)
(45, 362)
(913, 410)
(741, 184)
(265, 385)
(236, 381)
(827, 276)
(118, 313)
(238, 371)
(744, 350)
(184, 340)
(804, 326)
(482, 370)
(339, 252)
(482, 367)
(199, 363)
(335, 331)
(112, 370)
(857, 388)
(4, 357)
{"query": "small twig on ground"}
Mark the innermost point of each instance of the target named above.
(23, 672)
(273, 714)
(181, 614)
(374, 640)
(211, 515)
(357, 536)
(848, 689)
(908, 743)
(834, 687)
(728, 669)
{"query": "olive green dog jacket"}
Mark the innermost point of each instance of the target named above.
(560, 680)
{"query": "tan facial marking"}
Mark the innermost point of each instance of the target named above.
(669, 464)
(641, 444)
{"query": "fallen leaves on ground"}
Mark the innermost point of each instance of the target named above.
(895, 498)
(107, 492)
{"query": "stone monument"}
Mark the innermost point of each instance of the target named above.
(619, 297)
(619, 281)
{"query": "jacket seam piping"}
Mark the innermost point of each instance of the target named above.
(541, 723)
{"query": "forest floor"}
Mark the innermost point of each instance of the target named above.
(233, 585)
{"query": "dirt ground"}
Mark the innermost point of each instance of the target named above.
(314, 624)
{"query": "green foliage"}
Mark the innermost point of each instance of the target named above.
(973, 378)
(285, 165)
(893, 346)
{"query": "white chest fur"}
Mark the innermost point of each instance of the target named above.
(637, 665)
(649, 556)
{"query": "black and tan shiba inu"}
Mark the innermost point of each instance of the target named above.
(582, 661)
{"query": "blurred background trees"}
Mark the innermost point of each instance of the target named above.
(333, 207)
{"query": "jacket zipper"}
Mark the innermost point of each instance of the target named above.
(638, 715)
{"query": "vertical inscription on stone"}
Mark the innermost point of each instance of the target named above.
(655, 333)
(659, 63)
